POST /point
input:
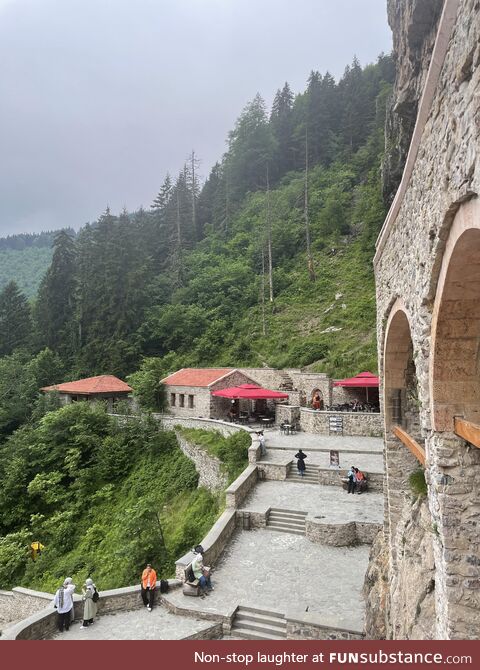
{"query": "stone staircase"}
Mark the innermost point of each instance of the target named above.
(255, 624)
(287, 521)
(286, 383)
(310, 476)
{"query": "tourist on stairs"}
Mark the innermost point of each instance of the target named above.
(301, 462)
(149, 582)
(90, 605)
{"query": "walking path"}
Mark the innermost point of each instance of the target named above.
(332, 502)
(365, 453)
(137, 624)
(288, 574)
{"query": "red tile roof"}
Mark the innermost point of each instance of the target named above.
(100, 384)
(196, 376)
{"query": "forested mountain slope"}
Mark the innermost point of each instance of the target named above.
(270, 262)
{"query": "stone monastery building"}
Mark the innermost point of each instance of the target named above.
(427, 268)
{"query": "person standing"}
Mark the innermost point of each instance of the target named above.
(90, 606)
(300, 456)
(352, 480)
(263, 448)
(63, 602)
(149, 582)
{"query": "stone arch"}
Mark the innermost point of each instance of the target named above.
(316, 392)
(400, 392)
(455, 352)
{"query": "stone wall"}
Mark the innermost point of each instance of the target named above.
(20, 603)
(437, 201)
(209, 468)
(354, 423)
(43, 623)
(340, 534)
(311, 626)
(213, 543)
(241, 487)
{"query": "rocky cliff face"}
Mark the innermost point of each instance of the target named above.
(400, 597)
(414, 27)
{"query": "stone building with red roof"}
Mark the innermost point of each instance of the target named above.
(104, 387)
(189, 391)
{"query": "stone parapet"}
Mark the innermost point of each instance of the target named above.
(213, 543)
(369, 424)
(313, 626)
(43, 624)
(320, 530)
(241, 487)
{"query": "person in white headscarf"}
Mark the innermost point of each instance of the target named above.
(90, 606)
(63, 602)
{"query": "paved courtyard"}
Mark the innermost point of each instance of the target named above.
(138, 624)
(287, 574)
(365, 453)
(332, 502)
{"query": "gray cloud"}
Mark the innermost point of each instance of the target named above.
(100, 98)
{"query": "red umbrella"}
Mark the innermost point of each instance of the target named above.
(248, 391)
(363, 379)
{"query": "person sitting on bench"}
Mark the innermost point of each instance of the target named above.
(202, 573)
(360, 480)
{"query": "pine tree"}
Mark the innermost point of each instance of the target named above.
(55, 305)
(15, 320)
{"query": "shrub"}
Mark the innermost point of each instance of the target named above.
(417, 482)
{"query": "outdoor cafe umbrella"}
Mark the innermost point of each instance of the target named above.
(249, 392)
(364, 380)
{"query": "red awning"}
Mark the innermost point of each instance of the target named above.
(250, 392)
(362, 380)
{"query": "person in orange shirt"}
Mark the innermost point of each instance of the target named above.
(149, 581)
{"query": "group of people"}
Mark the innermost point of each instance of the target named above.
(63, 603)
(357, 482)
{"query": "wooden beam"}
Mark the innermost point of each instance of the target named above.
(467, 430)
(411, 444)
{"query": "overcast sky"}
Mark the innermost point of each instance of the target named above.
(100, 98)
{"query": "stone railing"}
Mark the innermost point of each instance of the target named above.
(43, 624)
(241, 487)
(213, 543)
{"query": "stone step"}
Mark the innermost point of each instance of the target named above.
(269, 625)
(275, 620)
(255, 624)
(244, 608)
(255, 635)
(260, 626)
(311, 479)
(285, 529)
(286, 521)
(288, 512)
(310, 466)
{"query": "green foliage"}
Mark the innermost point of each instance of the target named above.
(417, 483)
(103, 498)
(231, 450)
(26, 266)
(15, 320)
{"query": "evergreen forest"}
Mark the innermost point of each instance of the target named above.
(267, 261)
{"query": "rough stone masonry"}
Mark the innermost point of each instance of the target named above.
(425, 569)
